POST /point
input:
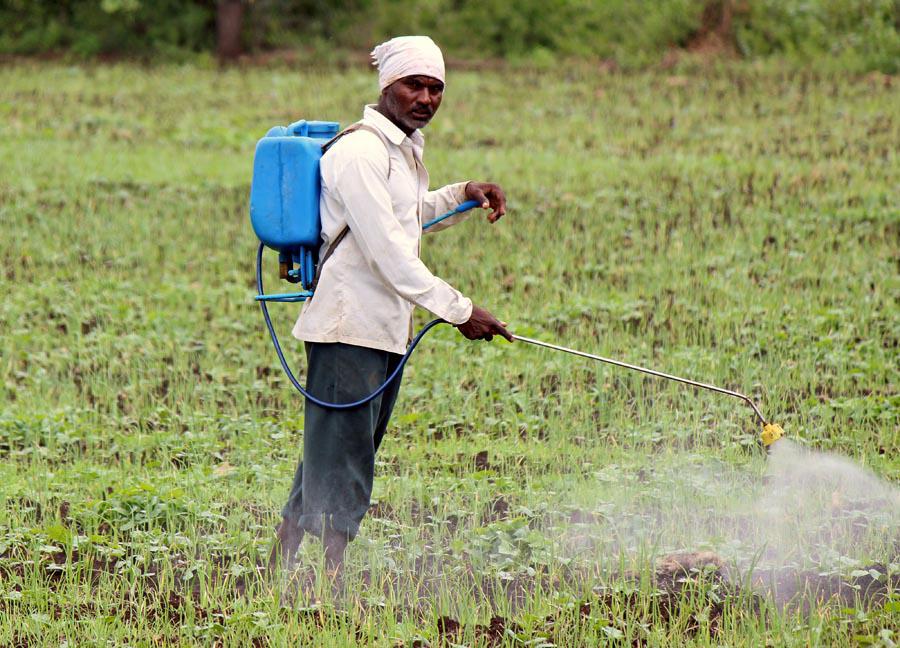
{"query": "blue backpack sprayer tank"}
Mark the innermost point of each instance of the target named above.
(284, 212)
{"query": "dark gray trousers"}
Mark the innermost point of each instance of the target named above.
(333, 482)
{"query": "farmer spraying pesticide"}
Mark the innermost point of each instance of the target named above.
(374, 203)
(349, 209)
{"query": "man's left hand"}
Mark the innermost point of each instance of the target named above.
(490, 196)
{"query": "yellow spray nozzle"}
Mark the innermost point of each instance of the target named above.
(771, 433)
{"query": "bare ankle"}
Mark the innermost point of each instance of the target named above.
(288, 537)
(335, 546)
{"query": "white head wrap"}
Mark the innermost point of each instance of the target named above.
(405, 56)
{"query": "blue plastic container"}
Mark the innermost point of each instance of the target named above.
(284, 202)
(284, 193)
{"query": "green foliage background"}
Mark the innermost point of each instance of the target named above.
(852, 34)
(90, 27)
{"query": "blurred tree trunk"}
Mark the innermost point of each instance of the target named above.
(229, 21)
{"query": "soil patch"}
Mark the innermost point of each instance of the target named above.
(693, 589)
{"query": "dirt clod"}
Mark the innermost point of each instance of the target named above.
(448, 628)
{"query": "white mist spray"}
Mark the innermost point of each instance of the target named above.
(807, 522)
(824, 517)
(829, 504)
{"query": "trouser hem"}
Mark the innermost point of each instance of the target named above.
(317, 525)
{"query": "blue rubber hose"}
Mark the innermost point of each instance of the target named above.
(459, 209)
(290, 374)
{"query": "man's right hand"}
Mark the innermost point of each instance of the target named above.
(483, 326)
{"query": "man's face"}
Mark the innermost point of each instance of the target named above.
(412, 101)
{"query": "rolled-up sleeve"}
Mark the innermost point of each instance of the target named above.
(364, 193)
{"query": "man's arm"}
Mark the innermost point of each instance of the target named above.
(363, 191)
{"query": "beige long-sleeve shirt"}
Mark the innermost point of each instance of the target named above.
(374, 278)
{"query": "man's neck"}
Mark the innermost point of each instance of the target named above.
(384, 112)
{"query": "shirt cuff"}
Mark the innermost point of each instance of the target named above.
(446, 302)
(463, 315)
(458, 191)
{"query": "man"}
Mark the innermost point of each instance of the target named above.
(374, 202)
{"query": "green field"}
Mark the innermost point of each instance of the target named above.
(735, 224)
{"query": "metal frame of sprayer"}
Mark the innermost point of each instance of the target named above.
(284, 199)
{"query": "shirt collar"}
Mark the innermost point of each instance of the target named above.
(389, 129)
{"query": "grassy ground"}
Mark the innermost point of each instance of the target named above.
(737, 225)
